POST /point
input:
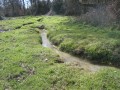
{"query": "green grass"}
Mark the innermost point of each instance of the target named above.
(26, 65)
(101, 45)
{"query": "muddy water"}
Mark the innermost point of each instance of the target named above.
(45, 41)
(1, 31)
(67, 58)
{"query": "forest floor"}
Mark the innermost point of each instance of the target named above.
(26, 65)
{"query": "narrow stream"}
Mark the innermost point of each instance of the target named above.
(1, 31)
(67, 58)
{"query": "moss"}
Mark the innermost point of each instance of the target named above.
(26, 65)
(96, 43)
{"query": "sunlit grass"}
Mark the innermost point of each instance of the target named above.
(102, 45)
(26, 65)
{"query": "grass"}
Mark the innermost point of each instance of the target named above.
(101, 45)
(26, 65)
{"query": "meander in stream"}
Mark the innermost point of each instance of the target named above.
(67, 58)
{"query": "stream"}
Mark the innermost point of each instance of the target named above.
(67, 58)
(1, 31)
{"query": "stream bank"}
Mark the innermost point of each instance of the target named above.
(67, 58)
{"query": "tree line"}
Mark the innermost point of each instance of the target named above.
(24, 7)
(38, 7)
(85, 8)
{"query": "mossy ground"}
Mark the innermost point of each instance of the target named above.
(26, 65)
(101, 45)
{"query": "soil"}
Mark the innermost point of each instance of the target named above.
(67, 58)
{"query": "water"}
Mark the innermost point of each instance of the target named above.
(2, 31)
(45, 41)
(67, 58)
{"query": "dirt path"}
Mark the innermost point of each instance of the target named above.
(67, 58)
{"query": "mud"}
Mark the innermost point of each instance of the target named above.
(67, 58)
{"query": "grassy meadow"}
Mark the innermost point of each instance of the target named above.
(100, 45)
(26, 65)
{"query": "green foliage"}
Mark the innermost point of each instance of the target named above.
(98, 44)
(26, 65)
(67, 43)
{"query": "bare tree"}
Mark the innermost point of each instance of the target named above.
(73, 7)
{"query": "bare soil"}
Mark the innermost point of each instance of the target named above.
(67, 58)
